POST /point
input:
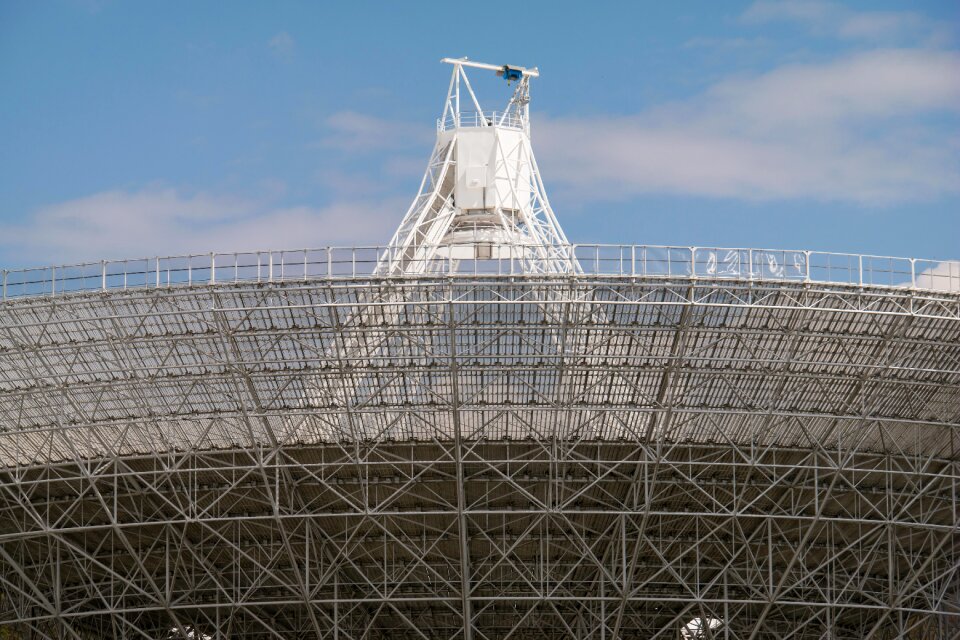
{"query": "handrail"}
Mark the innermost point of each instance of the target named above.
(508, 120)
(595, 260)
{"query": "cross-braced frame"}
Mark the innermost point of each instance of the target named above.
(489, 457)
(481, 196)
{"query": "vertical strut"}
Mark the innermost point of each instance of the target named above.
(465, 568)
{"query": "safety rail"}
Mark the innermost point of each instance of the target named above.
(593, 260)
(508, 120)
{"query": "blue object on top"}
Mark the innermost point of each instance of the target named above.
(509, 74)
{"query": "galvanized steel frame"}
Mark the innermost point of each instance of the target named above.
(481, 457)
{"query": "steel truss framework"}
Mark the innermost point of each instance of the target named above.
(527, 231)
(499, 457)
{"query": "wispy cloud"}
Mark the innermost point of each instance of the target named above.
(853, 129)
(282, 46)
(163, 221)
(726, 43)
(832, 19)
(352, 132)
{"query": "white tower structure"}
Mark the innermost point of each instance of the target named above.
(481, 196)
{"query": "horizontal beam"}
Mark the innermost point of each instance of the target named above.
(464, 62)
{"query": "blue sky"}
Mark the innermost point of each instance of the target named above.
(135, 129)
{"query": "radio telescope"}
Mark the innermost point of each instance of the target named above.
(482, 431)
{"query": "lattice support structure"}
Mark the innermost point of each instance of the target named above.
(482, 197)
(494, 457)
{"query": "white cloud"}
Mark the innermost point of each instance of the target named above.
(833, 19)
(726, 43)
(353, 132)
(944, 276)
(852, 129)
(879, 83)
(282, 46)
(807, 11)
(123, 224)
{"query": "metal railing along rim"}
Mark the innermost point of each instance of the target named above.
(593, 260)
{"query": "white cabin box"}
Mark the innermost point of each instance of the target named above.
(493, 169)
